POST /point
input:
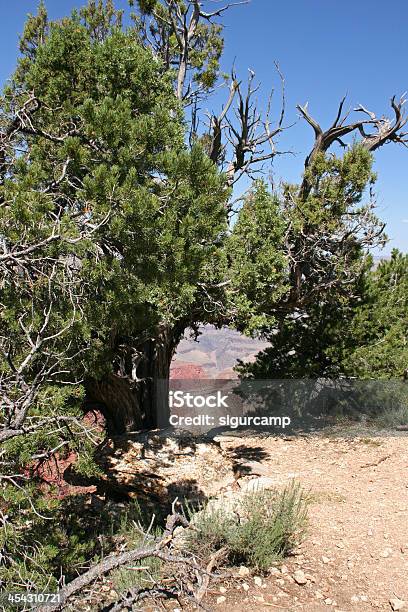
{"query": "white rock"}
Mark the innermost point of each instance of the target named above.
(299, 577)
(325, 559)
(244, 571)
(258, 581)
(397, 604)
(258, 484)
(221, 599)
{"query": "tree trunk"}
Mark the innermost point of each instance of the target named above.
(138, 399)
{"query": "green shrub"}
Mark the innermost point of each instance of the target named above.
(266, 526)
(134, 525)
(394, 417)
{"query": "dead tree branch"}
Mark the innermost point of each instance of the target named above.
(241, 137)
(384, 130)
(158, 548)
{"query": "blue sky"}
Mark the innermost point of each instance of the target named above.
(325, 48)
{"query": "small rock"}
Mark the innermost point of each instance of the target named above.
(355, 599)
(363, 597)
(299, 577)
(223, 589)
(284, 569)
(310, 577)
(259, 598)
(339, 544)
(325, 559)
(397, 604)
(318, 595)
(386, 553)
(258, 484)
(328, 601)
(280, 581)
(221, 599)
(244, 571)
(258, 581)
(245, 586)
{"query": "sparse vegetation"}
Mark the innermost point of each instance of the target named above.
(267, 525)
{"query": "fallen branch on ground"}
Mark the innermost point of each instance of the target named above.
(375, 463)
(113, 561)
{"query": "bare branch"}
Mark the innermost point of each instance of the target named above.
(385, 130)
(156, 549)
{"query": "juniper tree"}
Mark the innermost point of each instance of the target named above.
(127, 224)
(311, 307)
(92, 127)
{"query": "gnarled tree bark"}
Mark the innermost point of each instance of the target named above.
(137, 397)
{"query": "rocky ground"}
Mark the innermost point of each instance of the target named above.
(355, 555)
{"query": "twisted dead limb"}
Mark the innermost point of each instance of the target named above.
(158, 548)
(383, 131)
(136, 595)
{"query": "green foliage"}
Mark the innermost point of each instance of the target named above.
(324, 239)
(257, 262)
(107, 150)
(272, 524)
(62, 537)
(361, 336)
(379, 327)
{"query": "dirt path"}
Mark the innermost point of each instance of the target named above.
(355, 556)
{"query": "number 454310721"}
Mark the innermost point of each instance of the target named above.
(26, 597)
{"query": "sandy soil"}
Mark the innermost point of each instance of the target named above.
(355, 555)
